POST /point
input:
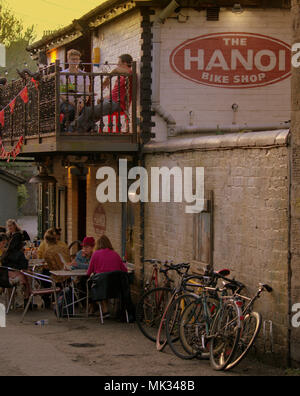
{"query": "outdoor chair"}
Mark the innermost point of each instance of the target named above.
(112, 285)
(115, 122)
(42, 291)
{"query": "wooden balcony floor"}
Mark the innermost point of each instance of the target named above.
(76, 143)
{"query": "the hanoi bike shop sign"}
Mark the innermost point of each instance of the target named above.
(233, 60)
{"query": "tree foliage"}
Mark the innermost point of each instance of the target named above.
(12, 28)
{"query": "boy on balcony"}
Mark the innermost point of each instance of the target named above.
(72, 88)
(119, 100)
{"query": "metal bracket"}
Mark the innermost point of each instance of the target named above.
(268, 336)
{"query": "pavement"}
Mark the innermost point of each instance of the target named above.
(84, 347)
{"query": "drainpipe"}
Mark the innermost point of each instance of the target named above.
(156, 30)
(177, 131)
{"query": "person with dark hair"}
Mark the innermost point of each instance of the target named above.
(14, 257)
(113, 104)
(2, 230)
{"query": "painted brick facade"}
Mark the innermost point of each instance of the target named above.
(211, 105)
(250, 222)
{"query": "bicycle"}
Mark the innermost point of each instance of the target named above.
(215, 332)
(181, 298)
(177, 307)
(251, 325)
(152, 304)
(153, 282)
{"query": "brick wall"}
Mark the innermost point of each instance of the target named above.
(250, 222)
(211, 105)
(117, 38)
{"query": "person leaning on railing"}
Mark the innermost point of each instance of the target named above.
(70, 86)
(113, 104)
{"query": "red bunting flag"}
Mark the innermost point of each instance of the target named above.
(12, 105)
(24, 95)
(36, 84)
(2, 117)
(13, 153)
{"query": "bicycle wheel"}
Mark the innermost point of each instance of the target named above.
(150, 309)
(173, 320)
(249, 332)
(225, 334)
(194, 326)
(161, 337)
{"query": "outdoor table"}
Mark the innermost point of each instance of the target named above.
(71, 274)
(77, 273)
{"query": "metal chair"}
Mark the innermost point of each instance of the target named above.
(111, 285)
(40, 292)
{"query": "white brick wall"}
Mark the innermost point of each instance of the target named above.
(119, 37)
(211, 105)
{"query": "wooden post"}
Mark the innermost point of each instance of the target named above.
(57, 97)
(134, 102)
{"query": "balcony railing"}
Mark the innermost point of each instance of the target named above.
(61, 103)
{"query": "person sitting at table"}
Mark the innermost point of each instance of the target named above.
(71, 86)
(43, 246)
(83, 257)
(105, 259)
(14, 258)
(55, 259)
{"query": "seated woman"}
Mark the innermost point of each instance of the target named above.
(14, 257)
(44, 246)
(54, 256)
(105, 259)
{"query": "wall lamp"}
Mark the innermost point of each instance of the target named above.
(237, 8)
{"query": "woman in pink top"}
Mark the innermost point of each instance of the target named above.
(105, 259)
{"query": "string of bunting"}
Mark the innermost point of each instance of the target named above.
(13, 153)
(23, 94)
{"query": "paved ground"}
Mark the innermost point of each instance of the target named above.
(84, 347)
